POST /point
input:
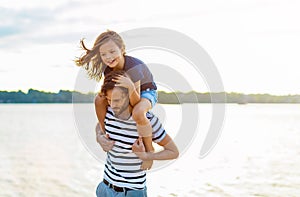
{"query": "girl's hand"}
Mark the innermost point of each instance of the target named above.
(138, 146)
(139, 149)
(124, 82)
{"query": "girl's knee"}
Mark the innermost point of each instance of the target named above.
(99, 100)
(139, 115)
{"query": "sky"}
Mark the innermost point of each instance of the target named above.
(254, 44)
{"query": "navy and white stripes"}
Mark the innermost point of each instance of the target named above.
(122, 166)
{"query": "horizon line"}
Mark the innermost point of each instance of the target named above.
(178, 91)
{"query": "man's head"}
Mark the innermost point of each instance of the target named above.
(117, 97)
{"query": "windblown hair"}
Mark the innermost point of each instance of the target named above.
(109, 84)
(91, 60)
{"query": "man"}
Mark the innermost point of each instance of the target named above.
(123, 175)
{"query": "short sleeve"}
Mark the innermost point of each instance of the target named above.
(159, 132)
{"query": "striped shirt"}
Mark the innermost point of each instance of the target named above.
(122, 166)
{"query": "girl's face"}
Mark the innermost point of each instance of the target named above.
(112, 55)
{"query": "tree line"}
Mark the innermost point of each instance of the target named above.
(66, 96)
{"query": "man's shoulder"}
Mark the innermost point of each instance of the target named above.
(150, 115)
(110, 111)
(154, 120)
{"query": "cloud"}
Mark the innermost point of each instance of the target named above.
(42, 24)
(8, 31)
(63, 22)
(3, 70)
(25, 19)
(242, 36)
(17, 26)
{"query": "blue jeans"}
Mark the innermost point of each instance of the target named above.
(104, 191)
(151, 95)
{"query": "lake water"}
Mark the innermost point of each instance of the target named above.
(43, 152)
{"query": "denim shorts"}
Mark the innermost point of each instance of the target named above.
(151, 95)
(105, 191)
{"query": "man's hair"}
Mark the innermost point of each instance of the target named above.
(109, 84)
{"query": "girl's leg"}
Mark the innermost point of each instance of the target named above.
(101, 107)
(144, 127)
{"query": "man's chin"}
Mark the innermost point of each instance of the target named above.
(116, 112)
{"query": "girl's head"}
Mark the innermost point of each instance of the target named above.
(108, 50)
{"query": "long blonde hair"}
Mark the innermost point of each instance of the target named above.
(91, 60)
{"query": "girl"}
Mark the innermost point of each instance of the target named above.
(107, 54)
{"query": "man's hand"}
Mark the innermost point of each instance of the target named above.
(146, 165)
(139, 149)
(105, 142)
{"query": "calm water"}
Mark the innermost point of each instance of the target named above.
(258, 154)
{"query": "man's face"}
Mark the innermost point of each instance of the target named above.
(118, 100)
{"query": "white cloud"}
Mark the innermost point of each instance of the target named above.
(20, 5)
(252, 43)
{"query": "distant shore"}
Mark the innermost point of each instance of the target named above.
(66, 96)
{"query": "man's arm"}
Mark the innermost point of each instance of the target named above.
(103, 139)
(170, 150)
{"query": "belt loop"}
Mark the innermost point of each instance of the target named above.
(125, 191)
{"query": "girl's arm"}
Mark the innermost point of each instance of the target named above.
(135, 93)
(133, 88)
